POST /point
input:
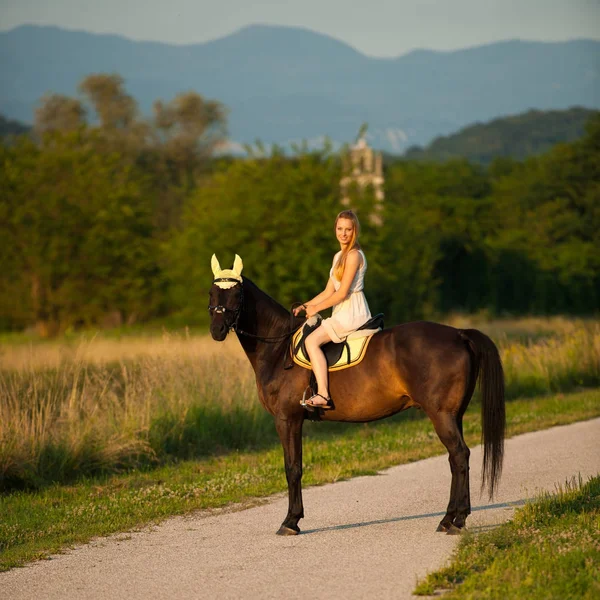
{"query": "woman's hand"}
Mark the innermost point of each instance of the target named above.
(311, 311)
(299, 309)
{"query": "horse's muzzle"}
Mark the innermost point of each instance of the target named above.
(219, 332)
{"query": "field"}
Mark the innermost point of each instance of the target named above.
(103, 434)
(88, 407)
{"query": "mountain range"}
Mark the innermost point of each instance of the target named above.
(285, 84)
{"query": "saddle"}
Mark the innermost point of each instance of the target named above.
(339, 356)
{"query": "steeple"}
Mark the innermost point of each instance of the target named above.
(363, 167)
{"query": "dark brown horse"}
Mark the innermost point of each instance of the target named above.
(426, 365)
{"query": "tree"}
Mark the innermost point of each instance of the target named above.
(58, 113)
(190, 125)
(277, 213)
(187, 130)
(429, 253)
(78, 226)
(114, 107)
(548, 210)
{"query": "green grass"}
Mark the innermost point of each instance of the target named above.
(550, 550)
(36, 524)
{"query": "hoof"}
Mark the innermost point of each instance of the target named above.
(283, 530)
(443, 528)
(454, 530)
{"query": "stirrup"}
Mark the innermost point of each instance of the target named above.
(303, 401)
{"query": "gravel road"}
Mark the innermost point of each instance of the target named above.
(370, 537)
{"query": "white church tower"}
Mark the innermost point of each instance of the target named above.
(363, 167)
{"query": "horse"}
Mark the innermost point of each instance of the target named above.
(426, 365)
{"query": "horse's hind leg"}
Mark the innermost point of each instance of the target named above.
(449, 430)
(290, 434)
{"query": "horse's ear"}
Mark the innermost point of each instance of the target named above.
(215, 266)
(238, 265)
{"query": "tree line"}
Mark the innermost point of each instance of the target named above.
(106, 214)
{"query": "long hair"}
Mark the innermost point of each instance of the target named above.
(341, 263)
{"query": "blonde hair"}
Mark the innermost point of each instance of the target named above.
(341, 263)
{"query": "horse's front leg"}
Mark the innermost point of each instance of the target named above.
(290, 434)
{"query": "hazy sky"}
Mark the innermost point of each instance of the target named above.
(375, 27)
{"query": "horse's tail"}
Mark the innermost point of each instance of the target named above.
(493, 416)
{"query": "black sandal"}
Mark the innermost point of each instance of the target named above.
(327, 406)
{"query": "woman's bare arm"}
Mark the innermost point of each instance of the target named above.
(329, 289)
(353, 261)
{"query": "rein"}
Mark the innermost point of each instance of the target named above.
(234, 326)
(274, 338)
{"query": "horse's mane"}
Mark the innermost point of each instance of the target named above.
(271, 310)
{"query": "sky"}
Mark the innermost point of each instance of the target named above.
(382, 28)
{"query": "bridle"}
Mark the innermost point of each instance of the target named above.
(220, 309)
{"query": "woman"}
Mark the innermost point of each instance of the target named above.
(344, 292)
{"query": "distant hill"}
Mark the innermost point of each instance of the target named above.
(516, 136)
(11, 127)
(286, 84)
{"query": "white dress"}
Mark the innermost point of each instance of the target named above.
(351, 313)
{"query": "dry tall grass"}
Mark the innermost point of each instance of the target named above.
(526, 330)
(103, 405)
(98, 350)
(543, 355)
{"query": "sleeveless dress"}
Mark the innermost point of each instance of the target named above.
(351, 313)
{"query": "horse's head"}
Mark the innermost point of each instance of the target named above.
(226, 298)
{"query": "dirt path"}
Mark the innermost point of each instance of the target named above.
(363, 538)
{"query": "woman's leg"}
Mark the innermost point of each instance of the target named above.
(318, 361)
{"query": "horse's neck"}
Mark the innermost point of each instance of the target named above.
(264, 317)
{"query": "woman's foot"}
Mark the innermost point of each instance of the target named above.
(320, 401)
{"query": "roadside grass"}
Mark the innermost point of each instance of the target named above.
(550, 550)
(35, 524)
(87, 408)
